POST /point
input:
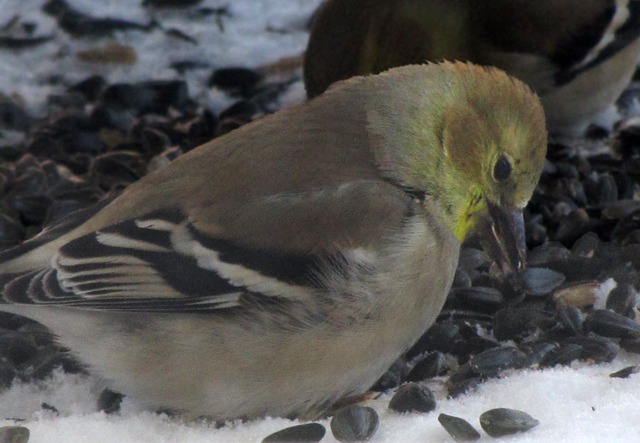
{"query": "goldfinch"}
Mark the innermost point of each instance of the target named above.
(289, 263)
(577, 55)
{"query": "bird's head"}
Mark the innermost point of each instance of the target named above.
(474, 140)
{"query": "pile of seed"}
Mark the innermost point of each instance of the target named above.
(576, 301)
(355, 423)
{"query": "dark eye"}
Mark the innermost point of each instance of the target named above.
(502, 169)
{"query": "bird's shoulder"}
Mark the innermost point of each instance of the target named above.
(564, 38)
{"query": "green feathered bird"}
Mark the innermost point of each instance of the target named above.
(289, 263)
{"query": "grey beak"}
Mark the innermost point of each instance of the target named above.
(503, 238)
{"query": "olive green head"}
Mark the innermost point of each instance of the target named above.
(471, 137)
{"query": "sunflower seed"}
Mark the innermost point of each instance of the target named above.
(502, 421)
(354, 423)
(306, 433)
(458, 428)
(413, 397)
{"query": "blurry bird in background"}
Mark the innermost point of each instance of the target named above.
(577, 55)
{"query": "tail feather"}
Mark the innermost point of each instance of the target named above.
(27, 257)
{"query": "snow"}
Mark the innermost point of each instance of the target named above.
(581, 403)
(573, 404)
